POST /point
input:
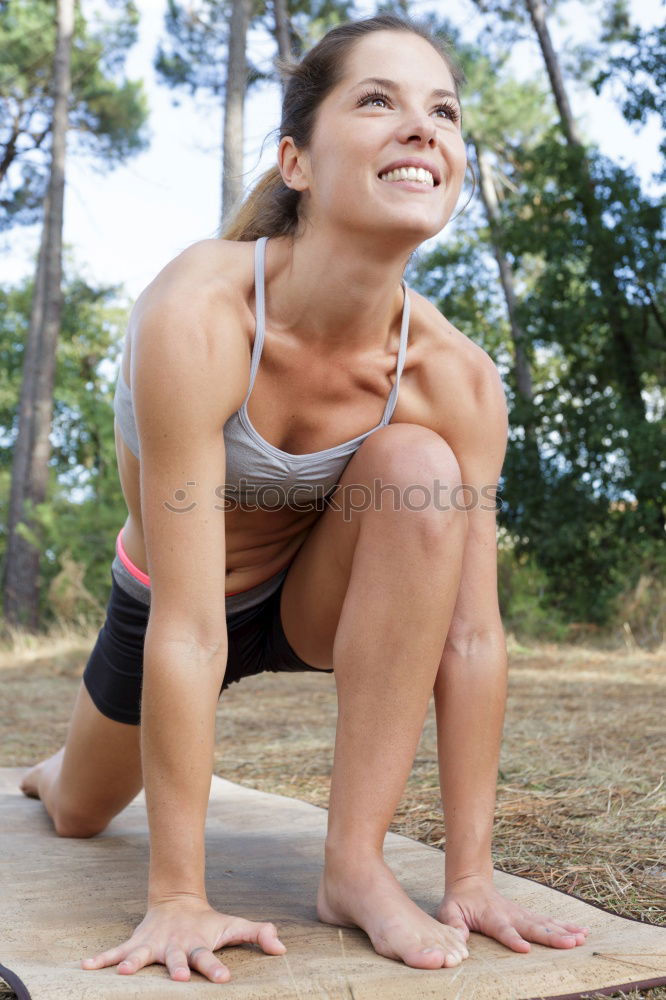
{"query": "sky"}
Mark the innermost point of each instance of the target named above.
(123, 227)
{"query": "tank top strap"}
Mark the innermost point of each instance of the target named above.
(259, 309)
(402, 352)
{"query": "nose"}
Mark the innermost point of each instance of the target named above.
(419, 127)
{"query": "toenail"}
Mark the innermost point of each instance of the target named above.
(428, 951)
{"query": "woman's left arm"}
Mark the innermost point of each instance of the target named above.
(470, 697)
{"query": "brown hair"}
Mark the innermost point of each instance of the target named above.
(271, 208)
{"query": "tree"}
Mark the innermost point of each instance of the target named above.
(625, 314)
(202, 39)
(84, 505)
(107, 115)
(30, 466)
(234, 104)
(282, 30)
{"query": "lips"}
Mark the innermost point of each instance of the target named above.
(412, 161)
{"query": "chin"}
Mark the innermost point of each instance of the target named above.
(416, 231)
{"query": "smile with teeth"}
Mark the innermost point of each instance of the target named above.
(409, 174)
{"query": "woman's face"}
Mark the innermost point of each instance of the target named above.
(365, 130)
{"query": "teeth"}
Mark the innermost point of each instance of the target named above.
(409, 174)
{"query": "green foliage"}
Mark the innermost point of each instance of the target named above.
(311, 19)
(640, 68)
(108, 113)
(523, 596)
(194, 54)
(84, 507)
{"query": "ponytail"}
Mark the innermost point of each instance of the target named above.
(270, 209)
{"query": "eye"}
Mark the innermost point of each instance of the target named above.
(375, 95)
(450, 110)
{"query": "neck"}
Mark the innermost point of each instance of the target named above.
(334, 291)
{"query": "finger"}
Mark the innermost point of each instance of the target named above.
(579, 933)
(507, 935)
(575, 929)
(176, 963)
(136, 960)
(549, 934)
(252, 932)
(205, 962)
(268, 939)
(110, 957)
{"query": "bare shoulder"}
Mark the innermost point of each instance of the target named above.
(197, 306)
(198, 280)
(457, 382)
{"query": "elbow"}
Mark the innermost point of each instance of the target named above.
(185, 642)
(475, 643)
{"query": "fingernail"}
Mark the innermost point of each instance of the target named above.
(218, 974)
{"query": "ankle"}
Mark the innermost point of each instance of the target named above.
(351, 853)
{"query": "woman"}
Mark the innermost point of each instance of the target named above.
(359, 561)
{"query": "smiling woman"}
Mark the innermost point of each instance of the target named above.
(323, 531)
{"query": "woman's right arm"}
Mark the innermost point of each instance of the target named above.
(189, 373)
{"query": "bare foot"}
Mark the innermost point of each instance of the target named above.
(366, 894)
(32, 783)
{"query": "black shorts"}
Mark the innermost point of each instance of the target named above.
(114, 671)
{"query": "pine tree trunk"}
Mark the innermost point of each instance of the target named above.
(282, 32)
(538, 15)
(234, 102)
(491, 206)
(529, 468)
(32, 449)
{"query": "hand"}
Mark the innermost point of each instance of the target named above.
(473, 904)
(183, 933)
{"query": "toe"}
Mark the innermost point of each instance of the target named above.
(426, 958)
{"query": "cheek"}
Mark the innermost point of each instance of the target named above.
(456, 158)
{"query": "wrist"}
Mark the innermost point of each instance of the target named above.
(481, 875)
(159, 895)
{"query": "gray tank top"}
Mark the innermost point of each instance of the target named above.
(257, 473)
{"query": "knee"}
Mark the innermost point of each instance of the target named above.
(409, 453)
(68, 824)
(410, 469)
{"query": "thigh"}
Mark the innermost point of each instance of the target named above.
(317, 580)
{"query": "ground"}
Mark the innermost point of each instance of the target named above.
(581, 795)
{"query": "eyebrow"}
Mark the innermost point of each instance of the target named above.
(391, 84)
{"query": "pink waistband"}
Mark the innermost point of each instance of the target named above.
(127, 562)
(143, 577)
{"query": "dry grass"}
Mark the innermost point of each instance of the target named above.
(582, 791)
